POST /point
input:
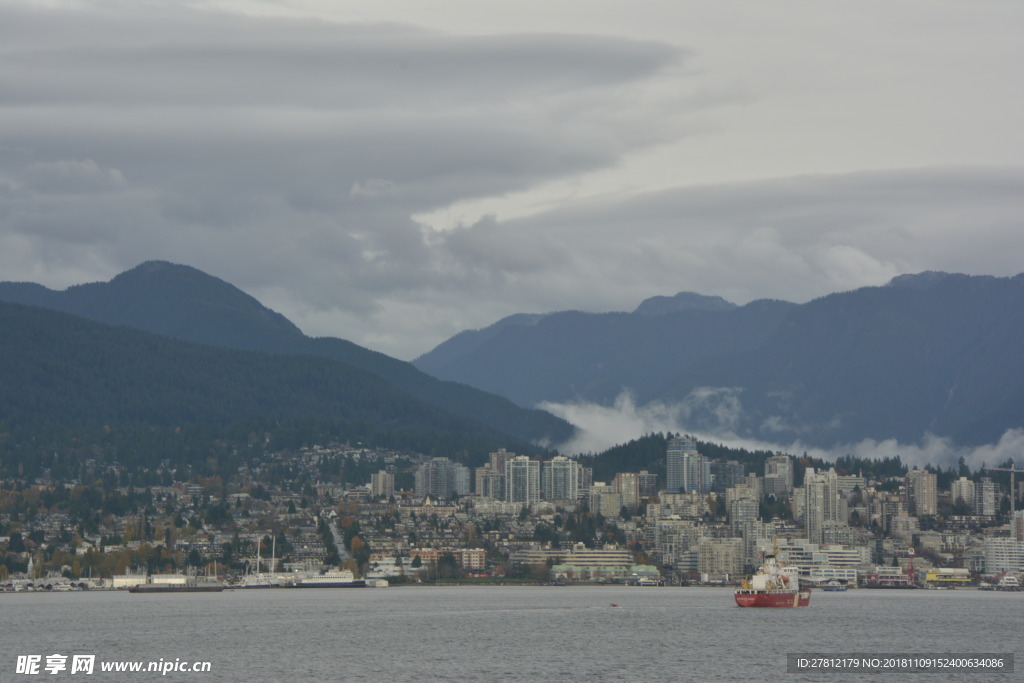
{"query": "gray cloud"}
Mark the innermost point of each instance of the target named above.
(790, 239)
(293, 156)
(288, 156)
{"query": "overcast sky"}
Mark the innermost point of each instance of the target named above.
(394, 172)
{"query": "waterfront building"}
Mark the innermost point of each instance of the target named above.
(531, 556)
(818, 563)
(584, 564)
(721, 558)
(1004, 555)
(948, 576)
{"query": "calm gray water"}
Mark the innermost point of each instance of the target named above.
(498, 634)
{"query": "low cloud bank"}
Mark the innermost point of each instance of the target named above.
(601, 427)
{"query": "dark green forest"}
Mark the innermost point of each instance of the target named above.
(74, 386)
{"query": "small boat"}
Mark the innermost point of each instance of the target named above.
(835, 586)
(773, 586)
(1009, 584)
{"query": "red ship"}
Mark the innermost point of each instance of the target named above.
(773, 586)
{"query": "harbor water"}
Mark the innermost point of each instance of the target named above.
(498, 633)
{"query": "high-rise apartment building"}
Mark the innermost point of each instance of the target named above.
(922, 497)
(382, 483)
(648, 484)
(726, 474)
(560, 478)
(778, 476)
(986, 497)
(686, 469)
(742, 516)
(962, 490)
(822, 503)
(489, 480)
(628, 485)
(490, 484)
(496, 460)
(677, 447)
(522, 480)
(440, 478)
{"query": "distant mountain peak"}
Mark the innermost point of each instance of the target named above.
(157, 266)
(185, 303)
(156, 271)
(683, 301)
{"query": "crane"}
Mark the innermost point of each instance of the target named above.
(1012, 469)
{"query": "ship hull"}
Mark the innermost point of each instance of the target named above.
(156, 588)
(890, 586)
(330, 584)
(775, 598)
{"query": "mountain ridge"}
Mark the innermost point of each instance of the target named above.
(927, 353)
(182, 302)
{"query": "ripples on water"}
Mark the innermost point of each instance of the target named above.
(499, 633)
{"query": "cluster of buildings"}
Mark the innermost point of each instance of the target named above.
(708, 520)
(701, 520)
(520, 480)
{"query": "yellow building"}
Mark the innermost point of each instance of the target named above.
(948, 577)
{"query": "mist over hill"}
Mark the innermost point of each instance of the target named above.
(932, 355)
